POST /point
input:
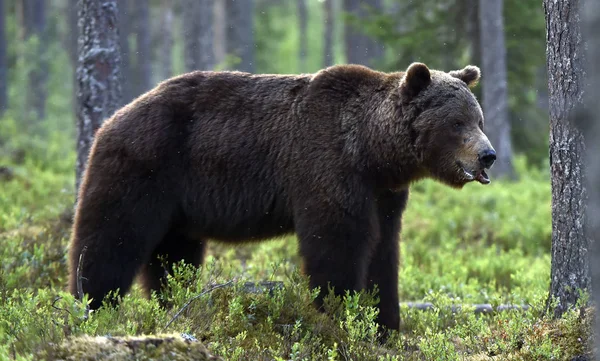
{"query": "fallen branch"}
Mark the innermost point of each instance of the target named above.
(195, 298)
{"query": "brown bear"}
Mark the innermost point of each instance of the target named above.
(235, 157)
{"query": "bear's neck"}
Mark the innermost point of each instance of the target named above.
(392, 160)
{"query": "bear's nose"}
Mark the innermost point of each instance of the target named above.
(487, 158)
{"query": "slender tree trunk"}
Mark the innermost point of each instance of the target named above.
(3, 64)
(328, 55)
(198, 34)
(302, 21)
(360, 48)
(143, 52)
(495, 85)
(565, 58)
(590, 114)
(219, 38)
(166, 38)
(34, 12)
(127, 78)
(98, 73)
(240, 32)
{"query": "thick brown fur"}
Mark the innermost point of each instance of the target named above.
(236, 157)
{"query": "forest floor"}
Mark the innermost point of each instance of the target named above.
(481, 245)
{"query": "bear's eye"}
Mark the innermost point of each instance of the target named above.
(457, 125)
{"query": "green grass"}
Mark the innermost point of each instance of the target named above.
(479, 245)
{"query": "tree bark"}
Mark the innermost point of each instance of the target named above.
(143, 53)
(495, 85)
(98, 73)
(328, 55)
(166, 38)
(590, 114)
(240, 32)
(3, 64)
(302, 22)
(565, 58)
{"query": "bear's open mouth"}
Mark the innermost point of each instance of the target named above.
(480, 176)
(477, 175)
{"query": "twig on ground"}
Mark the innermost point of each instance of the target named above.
(79, 283)
(195, 298)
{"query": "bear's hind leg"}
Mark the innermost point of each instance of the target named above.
(114, 234)
(174, 247)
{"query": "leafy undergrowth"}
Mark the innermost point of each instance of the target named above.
(478, 245)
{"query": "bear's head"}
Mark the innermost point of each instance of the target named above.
(446, 124)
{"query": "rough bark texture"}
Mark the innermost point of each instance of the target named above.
(99, 91)
(570, 245)
(3, 78)
(240, 32)
(302, 22)
(328, 55)
(495, 85)
(143, 52)
(166, 38)
(591, 128)
(360, 48)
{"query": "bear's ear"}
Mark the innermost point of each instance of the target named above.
(416, 78)
(470, 74)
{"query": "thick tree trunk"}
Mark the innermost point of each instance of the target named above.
(591, 128)
(302, 22)
(495, 85)
(166, 39)
(3, 65)
(198, 34)
(143, 52)
(240, 32)
(328, 55)
(99, 91)
(570, 245)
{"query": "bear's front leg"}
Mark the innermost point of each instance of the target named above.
(383, 268)
(336, 241)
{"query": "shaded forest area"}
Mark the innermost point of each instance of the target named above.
(159, 39)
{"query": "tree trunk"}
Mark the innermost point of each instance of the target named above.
(302, 21)
(34, 13)
(198, 34)
(240, 32)
(98, 75)
(495, 84)
(166, 38)
(328, 55)
(3, 65)
(360, 48)
(219, 38)
(143, 53)
(564, 51)
(591, 128)
(127, 78)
